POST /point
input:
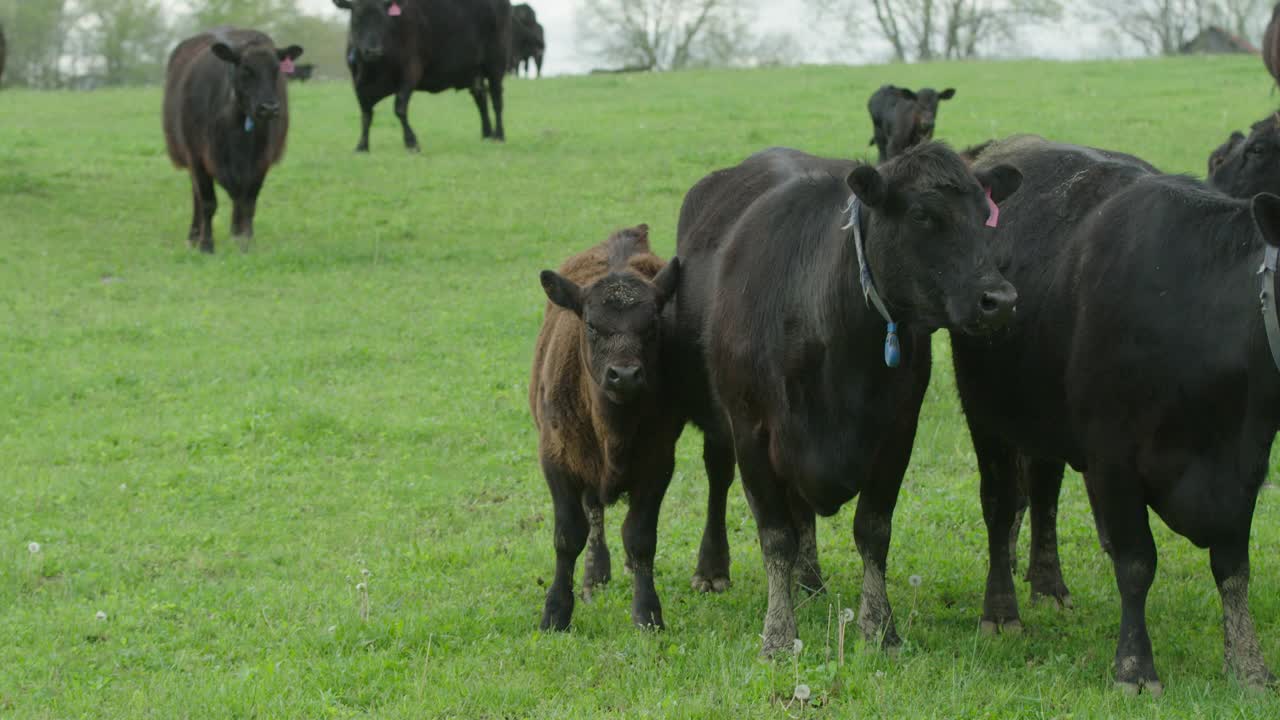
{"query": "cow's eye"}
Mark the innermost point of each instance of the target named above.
(918, 215)
(1256, 149)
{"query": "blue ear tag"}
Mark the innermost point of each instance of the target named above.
(248, 123)
(892, 351)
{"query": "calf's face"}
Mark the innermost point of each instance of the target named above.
(620, 316)
(255, 75)
(371, 21)
(1250, 165)
(925, 107)
(928, 243)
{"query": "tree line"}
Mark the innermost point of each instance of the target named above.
(92, 43)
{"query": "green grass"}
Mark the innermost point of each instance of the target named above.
(211, 449)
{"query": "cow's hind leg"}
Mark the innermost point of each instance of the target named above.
(208, 205)
(570, 537)
(1242, 653)
(997, 467)
(482, 104)
(197, 214)
(712, 574)
(1043, 479)
(640, 538)
(1133, 552)
(598, 566)
(495, 96)
(402, 114)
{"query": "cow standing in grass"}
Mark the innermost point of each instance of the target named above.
(787, 363)
(903, 118)
(528, 43)
(226, 118)
(605, 424)
(395, 47)
(1139, 357)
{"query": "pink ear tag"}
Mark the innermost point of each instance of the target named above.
(394, 10)
(286, 66)
(993, 220)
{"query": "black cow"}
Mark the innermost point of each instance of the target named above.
(1139, 357)
(397, 46)
(226, 117)
(527, 40)
(302, 73)
(903, 118)
(786, 363)
(1244, 166)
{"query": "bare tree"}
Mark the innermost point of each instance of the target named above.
(665, 34)
(1164, 26)
(936, 29)
(126, 39)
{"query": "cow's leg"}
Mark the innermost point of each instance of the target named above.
(402, 113)
(570, 537)
(872, 531)
(808, 571)
(1122, 509)
(208, 206)
(495, 96)
(482, 104)
(366, 120)
(778, 541)
(1242, 654)
(712, 574)
(997, 466)
(1044, 569)
(197, 214)
(244, 206)
(640, 538)
(597, 567)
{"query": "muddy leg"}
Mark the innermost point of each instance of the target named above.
(597, 568)
(1242, 655)
(1123, 511)
(1044, 570)
(712, 574)
(872, 530)
(808, 571)
(778, 542)
(999, 489)
(570, 538)
(479, 95)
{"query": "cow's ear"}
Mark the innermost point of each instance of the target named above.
(562, 291)
(224, 52)
(666, 281)
(947, 94)
(293, 52)
(1001, 180)
(342, 4)
(906, 94)
(870, 186)
(1266, 213)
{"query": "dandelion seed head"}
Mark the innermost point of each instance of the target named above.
(802, 693)
(33, 547)
(846, 615)
(102, 615)
(797, 646)
(361, 587)
(365, 572)
(915, 580)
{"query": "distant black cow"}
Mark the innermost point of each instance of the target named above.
(1244, 166)
(1138, 356)
(302, 73)
(787, 363)
(903, 118)
(226, 117)
(527, 40)
(398, 46)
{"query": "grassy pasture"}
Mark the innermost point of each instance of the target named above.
(210, 450)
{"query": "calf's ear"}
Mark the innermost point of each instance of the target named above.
(293, 52)
(947, 94)
(1266, 214)
(225, 52)
(343, 4)
(666, 281)
(869, 185)
(562, 291)
(1001, 180)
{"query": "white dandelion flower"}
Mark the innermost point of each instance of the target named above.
(102, 615)
(846, 615)
(365, 572)
(802, 693)
(797, 646)
(360, 587)
(915, 580)
(33, 547)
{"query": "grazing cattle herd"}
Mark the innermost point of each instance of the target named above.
(1102, 315)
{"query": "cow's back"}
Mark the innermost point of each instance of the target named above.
(456, 40)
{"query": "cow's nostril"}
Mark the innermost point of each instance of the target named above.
(989, 303)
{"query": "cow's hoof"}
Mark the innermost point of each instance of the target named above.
(991, 628)
(713, 584)
(779, 640)
(648, 618)
(362, 148)
(1154, 688)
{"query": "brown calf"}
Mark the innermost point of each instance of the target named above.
(604, 427)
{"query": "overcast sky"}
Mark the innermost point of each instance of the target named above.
(821, 44)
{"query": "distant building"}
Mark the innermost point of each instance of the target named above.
(1213, 40)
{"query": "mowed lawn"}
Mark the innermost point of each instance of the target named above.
(212, 450)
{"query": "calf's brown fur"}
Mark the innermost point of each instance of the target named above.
(604, 428)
